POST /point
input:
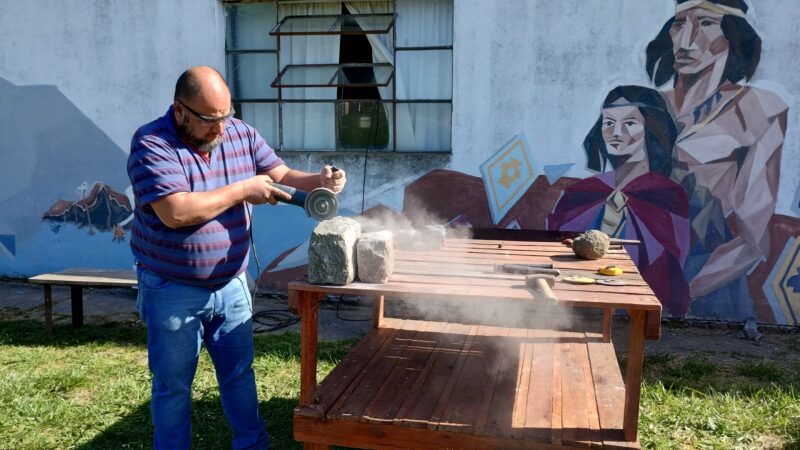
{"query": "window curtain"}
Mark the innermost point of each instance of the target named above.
(382, 49)
(309, 126)
(419, 75)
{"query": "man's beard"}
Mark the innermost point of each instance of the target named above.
(201, 144)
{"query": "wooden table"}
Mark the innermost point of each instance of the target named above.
(424, 384)
(77, 279)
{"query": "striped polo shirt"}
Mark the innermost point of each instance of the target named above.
(160, 164)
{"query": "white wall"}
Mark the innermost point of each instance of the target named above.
(77, 78)
(116, 60)
(543, 67)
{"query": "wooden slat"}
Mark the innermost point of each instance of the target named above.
(496, 366)
(539, 406)
(523, 384)
(575, 411)
(384, 405)
(452, 379)
(353, 401)
(556, 420)
(590, 399)
(341, 377)
(477, 373)
(609, 390)
(419, 407)
(501, 410)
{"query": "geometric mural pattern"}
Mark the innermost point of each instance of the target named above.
(507, 175)
(782, 287)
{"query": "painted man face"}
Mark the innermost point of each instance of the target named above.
(697, 40)
(623, 131)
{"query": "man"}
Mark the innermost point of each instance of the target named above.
(193, 172)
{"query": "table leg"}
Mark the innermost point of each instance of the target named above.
(48, 309)
(377, 312)
(77, 305)
(633, 375)
(309, 316)
(607, 317)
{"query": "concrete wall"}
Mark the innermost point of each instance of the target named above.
(542, 68)
(77, 78)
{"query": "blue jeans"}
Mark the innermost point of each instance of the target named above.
(179, 318)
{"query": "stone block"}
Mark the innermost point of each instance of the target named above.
(332, 251)
(375, 256)
(406, 239)
(433, 236)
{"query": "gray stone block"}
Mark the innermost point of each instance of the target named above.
(375, 256)
(406, 238)
(332, 251)
(434, 236)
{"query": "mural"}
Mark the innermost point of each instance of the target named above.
(51, 216)
(688, 161)
(727, 155)
(691, 170)
(101, 209)
(636, 199)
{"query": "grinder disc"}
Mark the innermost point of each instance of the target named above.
(321, 204)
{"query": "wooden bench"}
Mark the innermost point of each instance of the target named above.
(77, 279)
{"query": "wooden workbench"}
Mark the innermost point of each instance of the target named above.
(424, 384)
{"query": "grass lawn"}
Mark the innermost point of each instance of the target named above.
(90, 389)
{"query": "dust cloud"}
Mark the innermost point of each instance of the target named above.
(427, 234)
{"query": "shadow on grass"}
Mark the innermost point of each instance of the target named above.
(209, 428)
(31, 333)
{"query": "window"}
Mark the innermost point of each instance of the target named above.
(344, 76)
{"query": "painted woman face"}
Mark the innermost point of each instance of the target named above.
(623, 132)
(697, 40)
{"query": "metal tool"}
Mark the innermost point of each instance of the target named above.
(616, 241)
(541, 284)
(320, 204)
(527, 269)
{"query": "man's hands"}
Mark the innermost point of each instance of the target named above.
(259, 190)
(332, 178)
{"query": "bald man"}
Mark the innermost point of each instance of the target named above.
(194, 171)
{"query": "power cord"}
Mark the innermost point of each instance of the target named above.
(336, 301)
(270, 319)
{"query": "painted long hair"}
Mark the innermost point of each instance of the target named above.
(743, 41)
(659, 130)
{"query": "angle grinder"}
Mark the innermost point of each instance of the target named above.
(320, 204)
